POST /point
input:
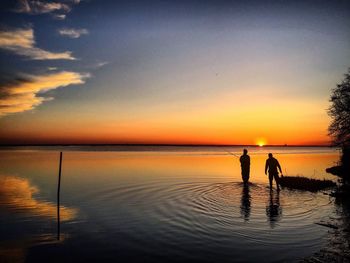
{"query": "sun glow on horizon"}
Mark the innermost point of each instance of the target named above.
(261, 142)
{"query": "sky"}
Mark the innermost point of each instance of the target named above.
(170, 72)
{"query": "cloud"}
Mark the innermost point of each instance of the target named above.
(73, 33)
(40, 7)
(101, 64)
(21, 41)
(59, 16)
(22, 94)
(58, 9)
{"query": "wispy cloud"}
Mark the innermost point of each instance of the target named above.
(58, 9)
(23, 94)
(59, 16)
(40, 7)
(101, 64)
(73, 33)
(21, 41)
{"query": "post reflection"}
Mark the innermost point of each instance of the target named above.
(58, 198)
(245, 202)
(273, 209)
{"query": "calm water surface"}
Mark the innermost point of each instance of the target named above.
(159, 204)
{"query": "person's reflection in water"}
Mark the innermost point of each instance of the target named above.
(273, 209)
(245, 202)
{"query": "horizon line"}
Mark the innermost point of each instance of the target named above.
(167, 144)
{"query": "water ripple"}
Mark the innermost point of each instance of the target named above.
(224, 214)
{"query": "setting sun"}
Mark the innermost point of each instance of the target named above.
(261, 142)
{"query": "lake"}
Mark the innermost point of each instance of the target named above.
(159, 204)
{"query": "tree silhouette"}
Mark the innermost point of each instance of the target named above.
(339, 129)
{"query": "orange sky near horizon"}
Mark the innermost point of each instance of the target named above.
(277, 123)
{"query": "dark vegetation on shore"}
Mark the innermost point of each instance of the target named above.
(343, 172)
(338, 249)
(303, 183)
(343, 169)
(339, 130)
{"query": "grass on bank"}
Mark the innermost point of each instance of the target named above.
(307, 184)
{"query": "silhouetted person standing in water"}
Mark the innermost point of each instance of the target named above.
(271, 165)
(245, 166)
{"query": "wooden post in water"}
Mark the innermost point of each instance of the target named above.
(58, 197)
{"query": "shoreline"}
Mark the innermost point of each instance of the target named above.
(338, 246)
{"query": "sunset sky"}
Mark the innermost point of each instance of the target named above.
(173, 72)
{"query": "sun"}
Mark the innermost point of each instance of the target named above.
(261, 142)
